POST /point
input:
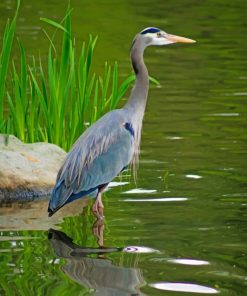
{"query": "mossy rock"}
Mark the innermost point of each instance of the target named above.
(27, 171)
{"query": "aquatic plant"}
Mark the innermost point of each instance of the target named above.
(55, 100)
(5, 53)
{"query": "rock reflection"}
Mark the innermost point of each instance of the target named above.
(90, 268)
(33, 215)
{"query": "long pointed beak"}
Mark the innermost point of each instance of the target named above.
(175, 38)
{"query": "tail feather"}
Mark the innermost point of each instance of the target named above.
(52, 212)
(59, 196)
(62, 195)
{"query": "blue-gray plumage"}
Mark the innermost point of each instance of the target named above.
(111, 143)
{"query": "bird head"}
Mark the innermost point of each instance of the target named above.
(155, 36)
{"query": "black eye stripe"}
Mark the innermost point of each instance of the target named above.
(150, 30)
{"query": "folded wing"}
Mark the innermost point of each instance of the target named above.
(96, 158)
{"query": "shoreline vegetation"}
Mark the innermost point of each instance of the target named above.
(54, 100)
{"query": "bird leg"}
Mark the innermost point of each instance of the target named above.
(98, 207)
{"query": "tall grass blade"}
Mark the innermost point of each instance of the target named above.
(5, 56)
(54, 24)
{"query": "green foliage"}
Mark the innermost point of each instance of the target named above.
(8, 38)
(55, 100)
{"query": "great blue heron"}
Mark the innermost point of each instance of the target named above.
(108, 146)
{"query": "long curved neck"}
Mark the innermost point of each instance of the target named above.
(136, 104)
(138, 97)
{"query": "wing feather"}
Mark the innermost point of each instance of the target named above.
(101, 152)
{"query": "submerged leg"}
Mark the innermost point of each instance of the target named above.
(98, 207)
(98, 231)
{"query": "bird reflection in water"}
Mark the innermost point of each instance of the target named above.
(97, 273)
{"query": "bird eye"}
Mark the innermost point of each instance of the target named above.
(159, 34)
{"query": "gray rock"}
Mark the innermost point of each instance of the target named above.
(27, 171)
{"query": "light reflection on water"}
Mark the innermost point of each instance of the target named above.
(139, 191)
(165, 199)
(192, 262)
(184, 287)
(136, 249)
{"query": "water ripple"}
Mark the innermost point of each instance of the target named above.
(174, 138)
(184, 287)
(115, 184)
(140, 190)
(136, 249)
(225, 114)
(242, 194)
(193, 176)
(193, 262)
(166, 199)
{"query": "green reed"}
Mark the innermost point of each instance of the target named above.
(8, 38)
(56, 99)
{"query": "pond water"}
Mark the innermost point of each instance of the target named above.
(182, 229)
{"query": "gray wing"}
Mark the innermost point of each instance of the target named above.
(96, 158)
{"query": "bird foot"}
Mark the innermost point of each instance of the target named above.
(98, 209)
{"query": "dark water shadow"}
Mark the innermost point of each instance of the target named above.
(90, 267)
